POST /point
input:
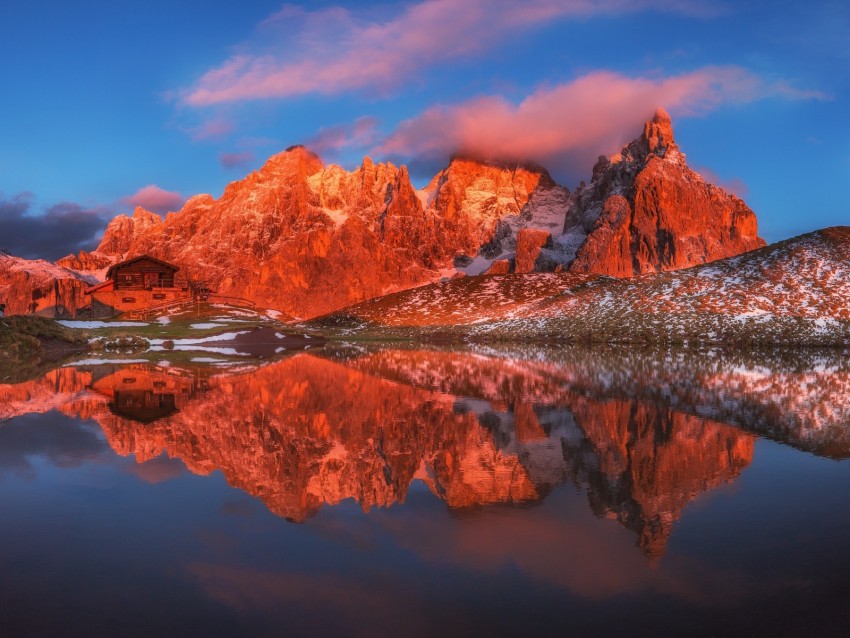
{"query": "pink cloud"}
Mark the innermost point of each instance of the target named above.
(157, 470)
(234, 160)
(211, 129)
(155, 199)
(568, 125)
(360, 134)
(328, 51)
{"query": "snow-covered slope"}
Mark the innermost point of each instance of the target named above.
(457, 302)
(796, 291)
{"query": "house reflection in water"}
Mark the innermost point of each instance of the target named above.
(146, 394)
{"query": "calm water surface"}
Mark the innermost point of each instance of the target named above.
(376, 492)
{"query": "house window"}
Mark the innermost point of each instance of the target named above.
(128, 279)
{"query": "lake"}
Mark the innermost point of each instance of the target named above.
(373, 491)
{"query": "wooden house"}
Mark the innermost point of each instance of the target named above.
(142, 273)
(137, 284)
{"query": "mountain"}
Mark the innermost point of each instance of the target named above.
(41, 287)
(646, 211)
(486, 205)
(123, 229)
(793, 292)
(94, 263)
(306, 239)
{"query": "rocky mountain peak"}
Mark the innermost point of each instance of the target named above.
(645, 211)
(657, 140)
(484, 204)
(295, 160)
(464, 165)
(658, 133)
(145, 217)
(122, 230)
(464, 178)
(85, 262)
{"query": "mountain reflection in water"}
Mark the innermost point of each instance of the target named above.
(643, 434)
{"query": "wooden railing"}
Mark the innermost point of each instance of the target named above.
(150, 285)
(144, 313)
(240, 302)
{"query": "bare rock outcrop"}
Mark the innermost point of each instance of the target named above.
(35, 286)
(646, 211)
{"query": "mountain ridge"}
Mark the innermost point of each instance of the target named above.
(306, 238)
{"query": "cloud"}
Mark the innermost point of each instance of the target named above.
(334, 50)
(235, 160)
(361, 134)
(157, 470)
(566, 126)
(215, 128)
(61, 229)
(155, 199)
(62, 441)
(323, 604)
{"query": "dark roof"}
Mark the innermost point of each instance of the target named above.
(121, 264)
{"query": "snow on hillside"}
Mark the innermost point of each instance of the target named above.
(39, 269)
(467, 300)
(797, 291)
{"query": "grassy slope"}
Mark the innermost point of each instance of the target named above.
(27, 344)
(179, 324)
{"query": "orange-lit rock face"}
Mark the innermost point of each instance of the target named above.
(122, 230)
(499, 267)
(528, 244)
(646, 211)
(473, 199)
(307, 239)
(40, 287)
(85, 261)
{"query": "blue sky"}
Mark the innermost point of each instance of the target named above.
(102, 99)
